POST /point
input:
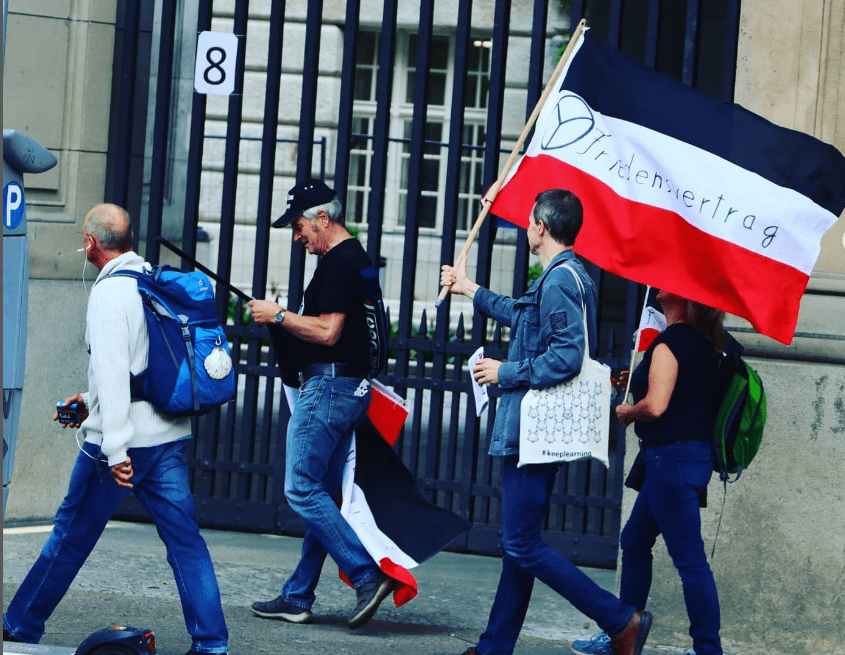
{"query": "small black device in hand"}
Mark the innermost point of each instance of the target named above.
(69, 414)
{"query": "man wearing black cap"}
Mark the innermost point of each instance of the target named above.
(332, 348)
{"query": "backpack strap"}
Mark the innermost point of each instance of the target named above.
(136, 382)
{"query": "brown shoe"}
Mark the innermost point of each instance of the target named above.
(632, 638)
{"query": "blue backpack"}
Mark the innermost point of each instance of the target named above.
(189, 368)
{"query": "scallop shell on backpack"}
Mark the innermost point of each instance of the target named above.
(218, 364)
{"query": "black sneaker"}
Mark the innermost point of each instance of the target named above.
(280, 609)
(7, 636)
(370, 596)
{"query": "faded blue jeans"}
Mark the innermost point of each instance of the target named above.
(161, 484)
(525, 499)
(319, 435)
(668, 505)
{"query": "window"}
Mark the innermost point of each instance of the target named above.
(435, 152)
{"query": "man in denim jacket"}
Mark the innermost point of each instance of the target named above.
(547, 347)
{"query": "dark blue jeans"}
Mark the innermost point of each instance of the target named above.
(161, 484)
(668, 505)
(525, 499)
(319, 435)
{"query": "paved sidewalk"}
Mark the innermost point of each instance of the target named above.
(128, 581)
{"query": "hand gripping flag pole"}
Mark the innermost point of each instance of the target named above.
(490, 196)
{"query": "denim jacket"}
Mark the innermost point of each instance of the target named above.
(547, 340)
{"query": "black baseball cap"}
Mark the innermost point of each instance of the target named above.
(303, 196)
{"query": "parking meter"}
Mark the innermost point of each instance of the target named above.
(20, 155)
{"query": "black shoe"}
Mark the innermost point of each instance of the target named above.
(7, 636)
(370, 596)
(280, 609)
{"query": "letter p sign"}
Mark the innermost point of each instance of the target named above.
(13, 205)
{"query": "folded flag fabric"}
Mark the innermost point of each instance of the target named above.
(381, 501)
(680, 191)
(387, 411)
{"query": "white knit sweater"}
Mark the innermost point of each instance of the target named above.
(116, 334)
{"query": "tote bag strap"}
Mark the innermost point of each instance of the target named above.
(583, 310)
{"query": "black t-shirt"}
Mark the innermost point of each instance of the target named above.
(336, 287)
(691, 411)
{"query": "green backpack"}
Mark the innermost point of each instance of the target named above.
(738, 430)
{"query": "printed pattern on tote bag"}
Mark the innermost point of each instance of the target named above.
(571, 413)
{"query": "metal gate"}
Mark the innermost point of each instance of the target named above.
(237, 458)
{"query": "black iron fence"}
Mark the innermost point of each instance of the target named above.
(238, 454)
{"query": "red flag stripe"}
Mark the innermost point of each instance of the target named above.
(641, 242)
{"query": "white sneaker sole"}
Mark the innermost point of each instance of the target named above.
(305, 617)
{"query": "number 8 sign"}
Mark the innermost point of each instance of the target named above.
(215, 67)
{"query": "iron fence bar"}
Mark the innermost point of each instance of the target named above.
(450, 213)
(347, 99)
(461, 486)
(410, 447)
(535, 89)
(691, 41)
(614, 27)
(576, 12)
(232, 156)
(126, 102)
(244, 137)
(307, 126)
(415, 163)
(425, 31)
(447, 245)
(455, 147)
(498, 60)
(381, 127)
(431, 142)
(228, 199)
(193, 181)
(161, 129)
(652, 32)
(262, 423)
(730, 49)
(202, 446)
(268, 151)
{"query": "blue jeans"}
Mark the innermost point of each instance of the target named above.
(319, 435)
(161, 484)
(525, 499)
(668, 505)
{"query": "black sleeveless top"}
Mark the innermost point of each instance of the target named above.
(691, 411)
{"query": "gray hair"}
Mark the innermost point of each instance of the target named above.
(111, 226)
(334, 209)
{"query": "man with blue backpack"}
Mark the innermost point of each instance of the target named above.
(130, 445)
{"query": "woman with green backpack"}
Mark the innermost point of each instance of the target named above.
(673, 415)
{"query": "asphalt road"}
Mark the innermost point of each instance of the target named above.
(128, 581)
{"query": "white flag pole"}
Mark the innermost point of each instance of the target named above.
(636, 346)
(490, 196)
